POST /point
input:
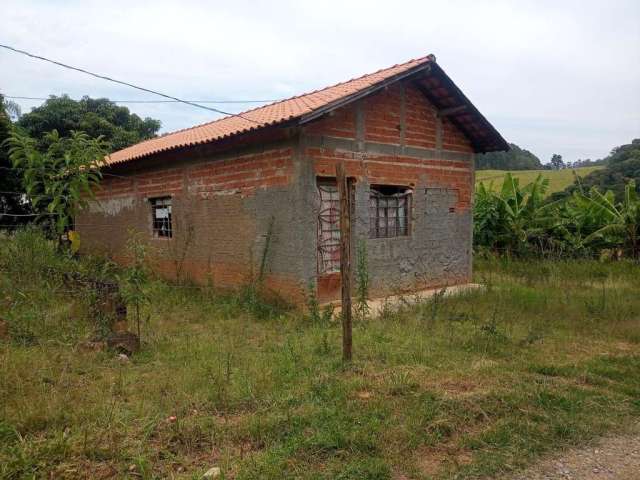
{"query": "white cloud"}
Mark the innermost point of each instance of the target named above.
(551, 76)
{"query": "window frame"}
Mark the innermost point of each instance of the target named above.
(405, 195)
(158, 230)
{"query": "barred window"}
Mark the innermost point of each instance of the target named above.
(161, 217)
(328, 227)
(389, 211)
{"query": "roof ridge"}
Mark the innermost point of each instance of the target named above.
(241, 114)
(339, 83)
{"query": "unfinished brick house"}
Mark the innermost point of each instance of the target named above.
(254, 195)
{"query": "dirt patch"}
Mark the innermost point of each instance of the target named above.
(364, 395)
(432, 461)
(459, 387)
(614, 458)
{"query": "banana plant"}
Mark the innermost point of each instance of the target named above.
(524, 213)
(486, 216)
(516, 219)
(622, 220)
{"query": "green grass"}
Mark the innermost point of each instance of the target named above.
(558, 179)
(546, 357)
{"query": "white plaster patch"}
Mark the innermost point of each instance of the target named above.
(113, 206)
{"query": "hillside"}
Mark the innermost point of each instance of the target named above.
(558, 179)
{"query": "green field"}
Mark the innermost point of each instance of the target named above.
(463, 387)
(558, 179)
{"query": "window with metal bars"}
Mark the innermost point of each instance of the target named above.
(328, 227)
(389, 208)
(161, 217)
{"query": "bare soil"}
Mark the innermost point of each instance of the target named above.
(612, 458)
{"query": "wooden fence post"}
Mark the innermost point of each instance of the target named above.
(345, 258)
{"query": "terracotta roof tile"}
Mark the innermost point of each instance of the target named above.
(272, 114)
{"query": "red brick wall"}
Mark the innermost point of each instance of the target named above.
(340, 123)
(382, 121)
(382, 116)
(453, 139)
(420, 120)
(243, 173)
(382, 113)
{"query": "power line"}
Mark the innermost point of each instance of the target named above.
(18, 97)
(2, 214)
(104, 77)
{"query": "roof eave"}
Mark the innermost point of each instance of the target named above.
(498, 142)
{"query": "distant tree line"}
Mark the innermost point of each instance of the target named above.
(621, 166)
(515, 159)
(518, 158)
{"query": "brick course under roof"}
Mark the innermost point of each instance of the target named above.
(291, 109)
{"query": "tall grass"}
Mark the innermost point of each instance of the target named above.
(544, 357)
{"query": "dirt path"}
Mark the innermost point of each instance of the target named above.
(613, 458)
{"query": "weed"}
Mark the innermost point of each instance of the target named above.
(497, 377)
(433, 305)
(317, 315)
(135, 277)
(401, 383)
(362, 309)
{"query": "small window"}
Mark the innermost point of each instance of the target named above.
(389, 211)
(161, 217)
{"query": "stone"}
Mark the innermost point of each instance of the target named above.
(213, 472)
(123, 342)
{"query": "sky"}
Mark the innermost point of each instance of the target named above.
(553, 77)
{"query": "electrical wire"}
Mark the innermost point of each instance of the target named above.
(2, 214)
(18, 97)
(137, 87)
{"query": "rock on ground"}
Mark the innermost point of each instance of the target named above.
(123, 342)
(613, 458)
(213, 472)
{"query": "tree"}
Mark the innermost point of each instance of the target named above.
(556, 162)
(97, 117)
(515, 159)
(12, 201)
(61, 179)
